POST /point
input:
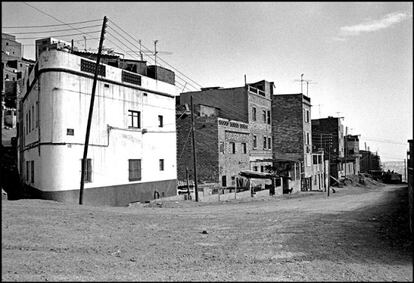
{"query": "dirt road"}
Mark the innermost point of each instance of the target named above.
(357, 234)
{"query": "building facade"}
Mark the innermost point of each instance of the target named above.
(292, 132)
(328, 135)
(221, 147)
(352, 154)
(250, 104)
(132, 145)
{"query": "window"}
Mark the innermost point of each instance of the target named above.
(254, 141)
(261, 168)
(264, 116)
(254, 114)
(161, 164)
(134, 119)
(315, 159)
(244, 147)
(222, 147)
(27, 170)
(254, 168)
(87, 177)
(32, 170)
(233, 147)
(307, 116)
(223, 181)
(269, 143)
(264, 142)
(30, 121)
(33, 120)
(134, 168)
(27, 124)
(160, 121)
(307, 138)
(268, 117)
(37, 114)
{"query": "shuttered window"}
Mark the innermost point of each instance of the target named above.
(134, 169)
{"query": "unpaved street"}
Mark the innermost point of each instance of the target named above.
(358, 233)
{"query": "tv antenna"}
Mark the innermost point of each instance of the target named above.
(301, 82)
(309, 82)
(154, 53)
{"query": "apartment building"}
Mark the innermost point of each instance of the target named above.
(249, 104)
(132, 145)
(292, 142)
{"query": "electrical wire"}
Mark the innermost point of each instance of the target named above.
(147, 49)
(65, 24)
(49, 31)
(61, 35)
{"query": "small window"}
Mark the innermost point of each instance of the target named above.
(254, 168)
(222, 147)
(160, 121)
(254, 141)
(27, 170)
(254, 113)
(264, 116)
(33, 118)
(87, 177)
(106, 85)
(134, 168)
(307, 138)
(224, 181)
(134, 119)
(315, 159)
(244, 147)
(261, 168)
(30, 121)
(268, 117)
(307, 116)
(161, 164)
(32, 171)
(269, 143)
(264, 142)
(70, 132)
(37, 114)
(233, 147)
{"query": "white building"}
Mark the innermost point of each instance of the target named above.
(132, 145)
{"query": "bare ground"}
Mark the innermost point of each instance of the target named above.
(357, 234)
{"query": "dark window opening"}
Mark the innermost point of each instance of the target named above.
(134, 169)
(161, 164)
(224, 181)
(134, 119)
(88, 170)
(160, 121)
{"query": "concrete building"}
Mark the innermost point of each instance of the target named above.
(352, 155)
(320, 167)
(328, 135)
(292, 142)
(369, 161)
(250, 104)
(132, 146)
(221, 146)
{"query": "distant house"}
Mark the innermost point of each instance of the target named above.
(328, 135)
(132, 146)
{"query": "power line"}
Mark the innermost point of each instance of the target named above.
(158, 57)
(178, 77)
(48, 31)
(54, 25)
(51, 16)
(61, 35)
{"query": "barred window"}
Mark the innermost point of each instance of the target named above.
(88, 170)
(131, 78)
(89, 67)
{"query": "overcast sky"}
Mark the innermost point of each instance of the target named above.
(358, 56)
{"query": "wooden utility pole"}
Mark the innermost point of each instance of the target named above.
(194, 150)
(88, 127)
(188, 185)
